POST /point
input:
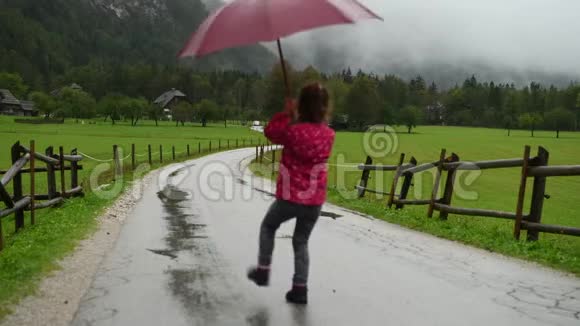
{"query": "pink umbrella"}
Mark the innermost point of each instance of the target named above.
(244, 22)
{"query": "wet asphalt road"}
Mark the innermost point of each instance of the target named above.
(182, 256)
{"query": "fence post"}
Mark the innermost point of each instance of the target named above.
(161, 154)
(522, 194)
(50, 175)
(273, 161)
(449, 184)
(173, 152)
(364, 178)
(262, 154)
(149, 154)
(199, 147)
(219, 144)
(74, 171)
(210, 146)
(32, 181)
(117, 161)
(538, 193)
(407, 182)
(436, 183)
(257, 154)
(62, 172)
(396, 180)
(228, 144)
(17, 186)
(188, 152)
(133, 158)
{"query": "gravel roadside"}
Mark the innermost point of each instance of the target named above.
(59, 294)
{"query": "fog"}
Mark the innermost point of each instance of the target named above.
(501, 39)
(509, 40)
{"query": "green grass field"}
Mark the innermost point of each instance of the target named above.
(33, 251)
(492, 189)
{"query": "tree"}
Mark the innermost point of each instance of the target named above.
(44, 103)
(309, 75)
(13, 83)
(134, 108)
(154, 112)
(509, 122)
(111, 106)
(207, 110)
(182, 112)
(276, 89)
(258, 94)
(363, 104)
(559, 119)
(530, 121)
(578, 112)
(76, 103)
(338, 90)
(410, 117)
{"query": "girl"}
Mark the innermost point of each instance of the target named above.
(301, 184)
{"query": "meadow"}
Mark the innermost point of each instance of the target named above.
(34, 250)
(490, 189)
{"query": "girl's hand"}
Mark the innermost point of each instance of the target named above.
(290, 108)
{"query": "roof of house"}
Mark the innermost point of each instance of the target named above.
(6, 97)
(74, 86)
(28, 106)
(166, 97)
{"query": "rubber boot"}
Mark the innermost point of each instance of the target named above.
(298, 295)
(260, 276)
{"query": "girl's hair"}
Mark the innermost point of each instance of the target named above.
(313, 104)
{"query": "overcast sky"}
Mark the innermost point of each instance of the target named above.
(502, 35)
(523, 34)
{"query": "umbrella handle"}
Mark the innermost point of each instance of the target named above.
(284, 71)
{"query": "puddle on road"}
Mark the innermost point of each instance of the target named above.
(197, 277)
(166, 253)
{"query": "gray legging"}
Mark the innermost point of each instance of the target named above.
(280, 212)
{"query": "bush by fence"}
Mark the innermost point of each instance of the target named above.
(531, 167)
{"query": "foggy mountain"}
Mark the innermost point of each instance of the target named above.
(449, 40)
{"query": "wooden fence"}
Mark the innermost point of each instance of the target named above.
(531, 167)
(163, 155)
(55, 166)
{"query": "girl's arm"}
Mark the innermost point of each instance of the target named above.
(277, 128)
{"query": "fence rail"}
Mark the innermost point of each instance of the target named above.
(531, 167)
(18, 203)
(56, 167)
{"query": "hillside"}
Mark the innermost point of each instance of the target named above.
(42, 39)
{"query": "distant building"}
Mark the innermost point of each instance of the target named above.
(10, 105)
(168, 100)
(339, 122)
(74, 86)
(435, 114)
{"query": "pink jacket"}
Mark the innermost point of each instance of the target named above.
(302, 177)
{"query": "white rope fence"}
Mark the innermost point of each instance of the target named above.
(94, 159)
(220, 145)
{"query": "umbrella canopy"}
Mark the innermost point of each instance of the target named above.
(244, 22)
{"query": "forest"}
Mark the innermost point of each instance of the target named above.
(124, 58)
(359, 99)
